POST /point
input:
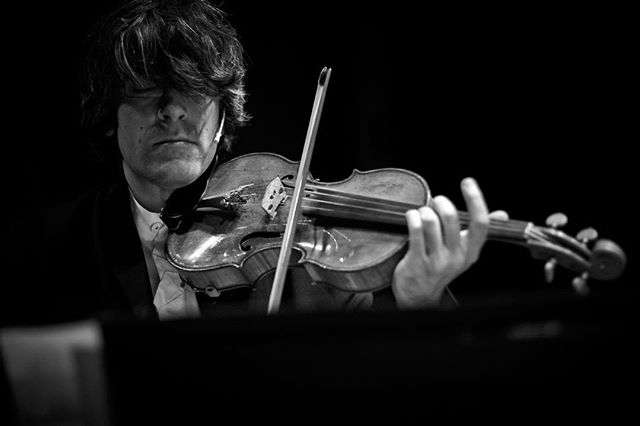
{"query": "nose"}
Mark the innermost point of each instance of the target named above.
(172, 106)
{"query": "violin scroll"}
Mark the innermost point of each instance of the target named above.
(605, 260)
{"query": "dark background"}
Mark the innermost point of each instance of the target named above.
(533, 101)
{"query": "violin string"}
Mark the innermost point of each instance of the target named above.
(382, 207)
(402, 207)
(327, 208)
(319, 192)
(359, 197)
(346, 198)
(367, 213)
(334, 202)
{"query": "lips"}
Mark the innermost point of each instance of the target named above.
(174, 140)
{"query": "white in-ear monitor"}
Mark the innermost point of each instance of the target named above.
(216, 139)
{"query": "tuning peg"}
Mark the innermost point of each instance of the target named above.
(587, 235)
(557, 220)
(550, 270)
(580, 284)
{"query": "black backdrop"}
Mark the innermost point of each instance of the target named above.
(534, 101)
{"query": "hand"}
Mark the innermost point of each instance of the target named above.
(438, 250)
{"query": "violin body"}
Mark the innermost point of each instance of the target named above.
(236, 239)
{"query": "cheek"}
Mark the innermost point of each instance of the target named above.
(211, 124)
(130, 129)
(208, 132)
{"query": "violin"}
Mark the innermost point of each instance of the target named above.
(350, 235)
(261, 211)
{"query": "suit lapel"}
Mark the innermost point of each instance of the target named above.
(122, 253)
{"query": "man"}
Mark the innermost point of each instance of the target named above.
(163, 94)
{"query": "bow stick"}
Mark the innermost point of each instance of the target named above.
(294, 213)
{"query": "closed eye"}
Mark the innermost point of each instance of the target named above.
(148, 91)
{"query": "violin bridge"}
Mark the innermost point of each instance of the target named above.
(274, 195)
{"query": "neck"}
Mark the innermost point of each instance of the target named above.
(150, 196)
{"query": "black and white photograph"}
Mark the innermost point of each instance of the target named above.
(227, 212)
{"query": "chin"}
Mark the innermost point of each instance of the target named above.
(179, 173)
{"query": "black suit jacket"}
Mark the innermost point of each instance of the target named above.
(83, 259)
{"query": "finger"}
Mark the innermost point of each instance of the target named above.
(478, 215)
(499, 215)
(432, 231)
(416, 234)
(449, 219)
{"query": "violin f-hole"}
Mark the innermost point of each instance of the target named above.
(246, 245)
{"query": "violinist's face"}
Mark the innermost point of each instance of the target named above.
(166, 138)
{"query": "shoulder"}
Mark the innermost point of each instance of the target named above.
(64, 219)
(52, 260)
(39, 227)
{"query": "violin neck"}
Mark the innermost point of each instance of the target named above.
(373, 211)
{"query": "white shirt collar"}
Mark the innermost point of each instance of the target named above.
(148, 223)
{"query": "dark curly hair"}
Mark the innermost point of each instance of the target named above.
(185, 44)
